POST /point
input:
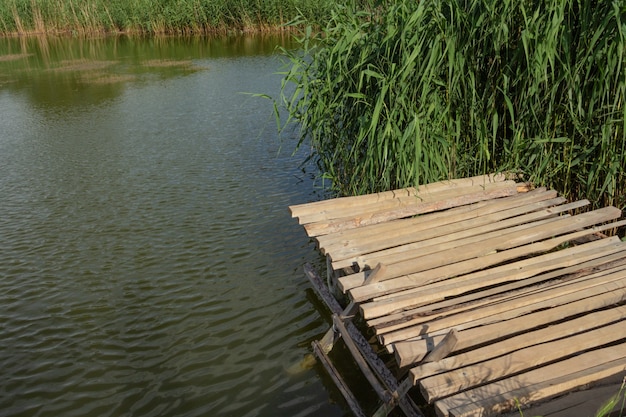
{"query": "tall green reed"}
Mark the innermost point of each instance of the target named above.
(399, 93)
(153, 16)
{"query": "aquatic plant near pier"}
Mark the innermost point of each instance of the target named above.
(403, 92)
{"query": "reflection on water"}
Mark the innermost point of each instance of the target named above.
(53, 69)
(148, 262)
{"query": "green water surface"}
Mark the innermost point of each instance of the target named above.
(149, 265)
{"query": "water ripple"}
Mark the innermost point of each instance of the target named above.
(150, 271)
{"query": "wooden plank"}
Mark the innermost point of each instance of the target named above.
(428, 287)
(523, 359)
(348, 282)
(396, 203)
(433, 253)
(376, 274)
(491, 191)
(473, 215)
(355, 201)
(441, 218)
(393, 285)
(476, 299)
(447, 253)
(528, 338)
(524, 305)
(413, 350)
(352, 281)
(583, 403)
(397, 248)
(535, 385)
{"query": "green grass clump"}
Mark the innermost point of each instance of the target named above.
(403, 92)
(617, 401)
(153, 16)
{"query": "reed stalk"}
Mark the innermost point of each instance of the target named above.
(23, 17)
(400, 93)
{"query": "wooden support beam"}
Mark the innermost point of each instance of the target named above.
(351, 332)
(381, 391)
(321, 289)
(381, 371)
(338, 380)
(398, 395)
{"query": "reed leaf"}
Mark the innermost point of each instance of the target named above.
(398, 93)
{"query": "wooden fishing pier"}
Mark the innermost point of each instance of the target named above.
(477, 296)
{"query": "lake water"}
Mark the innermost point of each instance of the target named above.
(149, 265)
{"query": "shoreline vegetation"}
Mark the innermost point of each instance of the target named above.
(396, 93)
(155, 17)
(404, 92)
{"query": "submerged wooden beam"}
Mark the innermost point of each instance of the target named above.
(339, 381)
(355, 339)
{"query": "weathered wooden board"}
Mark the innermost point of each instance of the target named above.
(532, 336)
(583, 403)
(416, 279)
(537, 384)
(443, 254)
(411, 206)
(302, 210)
(485, 294)
(411, 351)
(524, 305)
(409, 297)
(529, 296)
(519, 360)
(355, 201)
(396, 248)
(539, 196)
(498, 294)
(372, 237)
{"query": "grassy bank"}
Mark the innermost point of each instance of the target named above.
(405, 92)
(153, 16)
